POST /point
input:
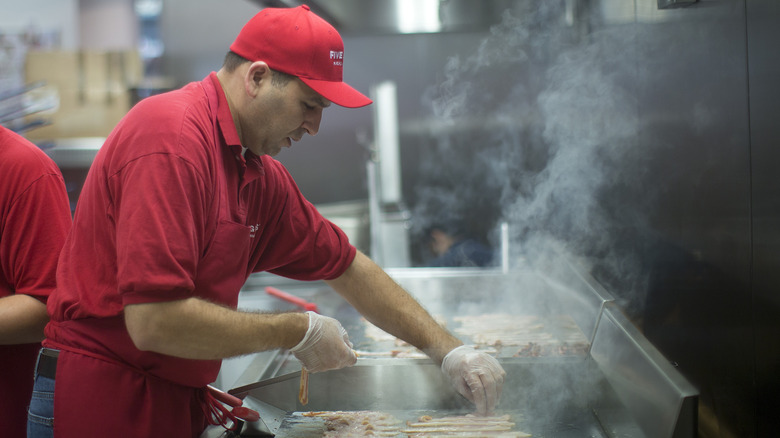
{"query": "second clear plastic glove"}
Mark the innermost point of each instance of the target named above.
(476, 375)
(325, 346)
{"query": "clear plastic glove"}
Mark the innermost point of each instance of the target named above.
(476, 375)
(325, 346)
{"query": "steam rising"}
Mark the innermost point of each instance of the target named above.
(556, 126)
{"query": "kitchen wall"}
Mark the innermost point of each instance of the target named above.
(763, 71)
(60, 16)
(695, 210)
(680, 208)
(660, 166)
(107, 25)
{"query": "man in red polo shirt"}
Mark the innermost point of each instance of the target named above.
(34, 220)
(182, 203)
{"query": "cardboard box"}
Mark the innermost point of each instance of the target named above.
(94, 90)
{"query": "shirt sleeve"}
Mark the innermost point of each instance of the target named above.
(304, 245)
(36, 225)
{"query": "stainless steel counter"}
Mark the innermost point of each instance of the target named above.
(621, 386)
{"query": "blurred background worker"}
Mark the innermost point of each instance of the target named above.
(454, 247)
(34, 221)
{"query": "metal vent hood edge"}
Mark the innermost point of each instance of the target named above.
(367, 17)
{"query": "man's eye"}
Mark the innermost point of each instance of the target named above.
(308, 107)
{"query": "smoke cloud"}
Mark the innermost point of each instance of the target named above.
(544, 125)
(539, 128)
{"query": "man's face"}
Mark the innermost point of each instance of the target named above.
(281, 114)
(440, 241)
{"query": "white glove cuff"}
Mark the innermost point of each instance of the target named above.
(457, 351)
(306, 337)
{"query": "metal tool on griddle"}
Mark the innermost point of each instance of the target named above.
(271, 416)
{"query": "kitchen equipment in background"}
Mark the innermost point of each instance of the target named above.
(388, 215)
(402, 16)
(93, 88)
(23, 109)
(73, 156)
(667, 4)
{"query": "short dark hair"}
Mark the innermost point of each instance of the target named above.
(234, 60)
(280, 79)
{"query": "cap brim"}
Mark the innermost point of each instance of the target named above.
(339, 93)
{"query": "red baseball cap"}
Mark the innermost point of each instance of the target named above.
(298, 42)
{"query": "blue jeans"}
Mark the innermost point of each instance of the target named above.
(40, 416)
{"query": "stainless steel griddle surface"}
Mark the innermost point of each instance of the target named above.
(546, 398)
(575, 425)
(574, 394)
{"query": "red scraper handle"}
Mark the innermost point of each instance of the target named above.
(224, 397)
(234, 402)
(298, 301)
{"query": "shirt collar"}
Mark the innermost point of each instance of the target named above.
(228, 127)
(224, 117)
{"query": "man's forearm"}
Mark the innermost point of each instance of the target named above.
(388, 306)
(22, 319)
(196, 329)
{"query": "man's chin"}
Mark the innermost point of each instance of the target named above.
(274, 152)
(285, 144)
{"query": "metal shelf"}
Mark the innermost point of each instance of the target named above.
(76, 152)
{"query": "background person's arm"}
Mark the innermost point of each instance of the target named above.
(34, 228)
(22, 319)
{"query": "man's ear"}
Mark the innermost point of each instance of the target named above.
(256, 76)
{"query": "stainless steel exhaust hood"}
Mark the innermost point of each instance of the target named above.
(403, 16)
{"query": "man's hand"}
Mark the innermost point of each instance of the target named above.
(476, 375)
(325, 346)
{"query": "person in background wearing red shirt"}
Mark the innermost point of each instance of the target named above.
(34, 220)
(182, 203)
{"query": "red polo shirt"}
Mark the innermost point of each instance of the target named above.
(34, 220)
(171, 209)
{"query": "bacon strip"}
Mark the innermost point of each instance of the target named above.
(470, 434)
(303, 389)
(427, 426)
(348, 424)
(468, 419)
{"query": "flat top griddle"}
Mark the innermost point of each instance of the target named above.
(541, 396)
(579, 425)
(570, 395)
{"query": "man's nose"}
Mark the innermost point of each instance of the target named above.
(312, 121)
